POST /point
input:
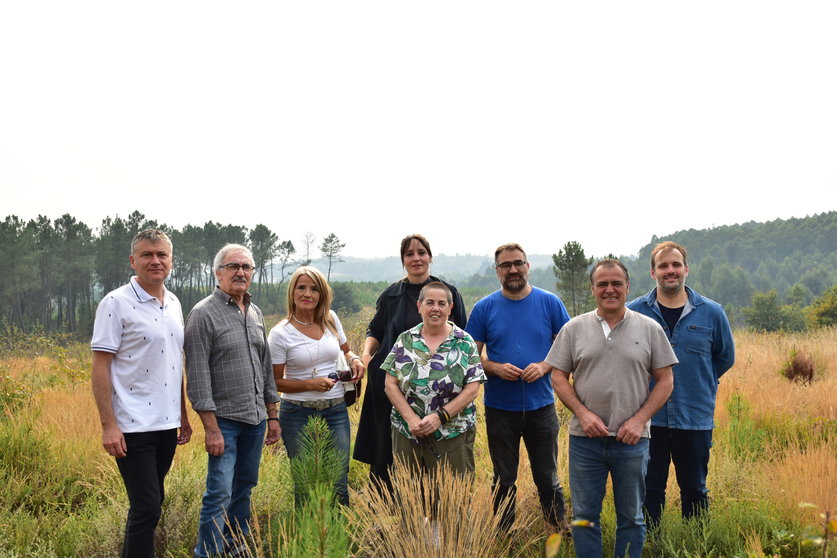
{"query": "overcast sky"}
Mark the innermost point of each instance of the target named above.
(474, 123)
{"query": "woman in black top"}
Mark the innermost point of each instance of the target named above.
(396, 311)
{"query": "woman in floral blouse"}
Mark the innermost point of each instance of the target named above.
(433, 377)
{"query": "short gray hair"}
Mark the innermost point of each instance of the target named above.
(151, 235)
(226, 250)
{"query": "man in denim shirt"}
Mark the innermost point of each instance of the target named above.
(702, 340)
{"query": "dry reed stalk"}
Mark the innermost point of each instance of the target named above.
(409, 524)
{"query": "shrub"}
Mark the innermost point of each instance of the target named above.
(799, 367)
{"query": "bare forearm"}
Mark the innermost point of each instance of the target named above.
(294, 386)
(566, 393)
(209, 420)
(663, 386)
(399, 402)
(465, 398)
(370, 347)
(103, 388)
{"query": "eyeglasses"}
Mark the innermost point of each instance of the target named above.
(236, 266)
(505, 266)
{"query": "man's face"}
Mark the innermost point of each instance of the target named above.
(670, 271)
(235, 282)
(610, 289)
(152, 262)
(512, 270)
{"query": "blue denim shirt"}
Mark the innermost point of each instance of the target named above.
(702, 341)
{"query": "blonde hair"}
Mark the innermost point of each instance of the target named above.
(322, 313)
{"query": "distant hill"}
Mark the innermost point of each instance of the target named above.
(726, 263)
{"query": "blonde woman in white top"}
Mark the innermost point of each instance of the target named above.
(304, 349)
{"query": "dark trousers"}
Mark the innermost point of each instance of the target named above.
(539, 430)
(143, 471)
(689, 451)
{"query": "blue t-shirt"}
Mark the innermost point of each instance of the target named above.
(519, 332)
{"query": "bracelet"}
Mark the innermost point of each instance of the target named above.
(354, 358)
(273, 418)
(443, 415)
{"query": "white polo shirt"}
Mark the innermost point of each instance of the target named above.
(146, 339)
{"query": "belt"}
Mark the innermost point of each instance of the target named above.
(318, 404)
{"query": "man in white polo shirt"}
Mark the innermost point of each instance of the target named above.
(138, 384)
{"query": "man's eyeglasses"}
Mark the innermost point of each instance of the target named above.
(236, 266)
(505, 266)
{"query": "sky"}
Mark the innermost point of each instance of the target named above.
(473, 123)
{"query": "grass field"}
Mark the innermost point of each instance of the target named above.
(775, 447)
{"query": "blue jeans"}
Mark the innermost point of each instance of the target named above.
(293, 417)
(689, 450)
(143, 470)
(225, 516)
(539, 430)
(591, 459)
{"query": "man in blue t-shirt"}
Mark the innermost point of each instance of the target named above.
(516, 325)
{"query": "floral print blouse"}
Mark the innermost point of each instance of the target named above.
(428, 381)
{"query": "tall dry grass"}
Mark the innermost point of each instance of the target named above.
(760, 358)
(775, 446)
(786, 431)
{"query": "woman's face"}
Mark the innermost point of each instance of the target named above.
(416, 260)
(435, 308)
(306, 294)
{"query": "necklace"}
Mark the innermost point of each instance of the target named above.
(297, 320)
(314, 360)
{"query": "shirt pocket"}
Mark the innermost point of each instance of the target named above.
(697, 339)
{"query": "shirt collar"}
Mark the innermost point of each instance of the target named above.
(142, 295)
(229, 300)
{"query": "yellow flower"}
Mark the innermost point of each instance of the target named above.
(553, 542)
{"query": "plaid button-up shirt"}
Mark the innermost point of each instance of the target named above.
(227, 359)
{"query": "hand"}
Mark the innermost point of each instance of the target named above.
(508, 372)
(114, 442)
(185, 433)
(322, 384)
(429, 424)
(592, 425)
(274, 431)
(358, 370)
(631, 431)
(214, 441)
(414, 425)
(535, 371)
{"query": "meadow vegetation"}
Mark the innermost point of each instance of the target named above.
(775, 447)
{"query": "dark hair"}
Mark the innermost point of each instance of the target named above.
(151, 235)
(510, 246)
(667, 245)
(435, 285)
(407, 240)
(609, 262)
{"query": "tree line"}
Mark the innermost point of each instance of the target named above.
(56, 270)
(766, 275)
(778, 275)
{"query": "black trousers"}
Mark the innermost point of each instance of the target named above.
(539, 430)
(143, 470)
